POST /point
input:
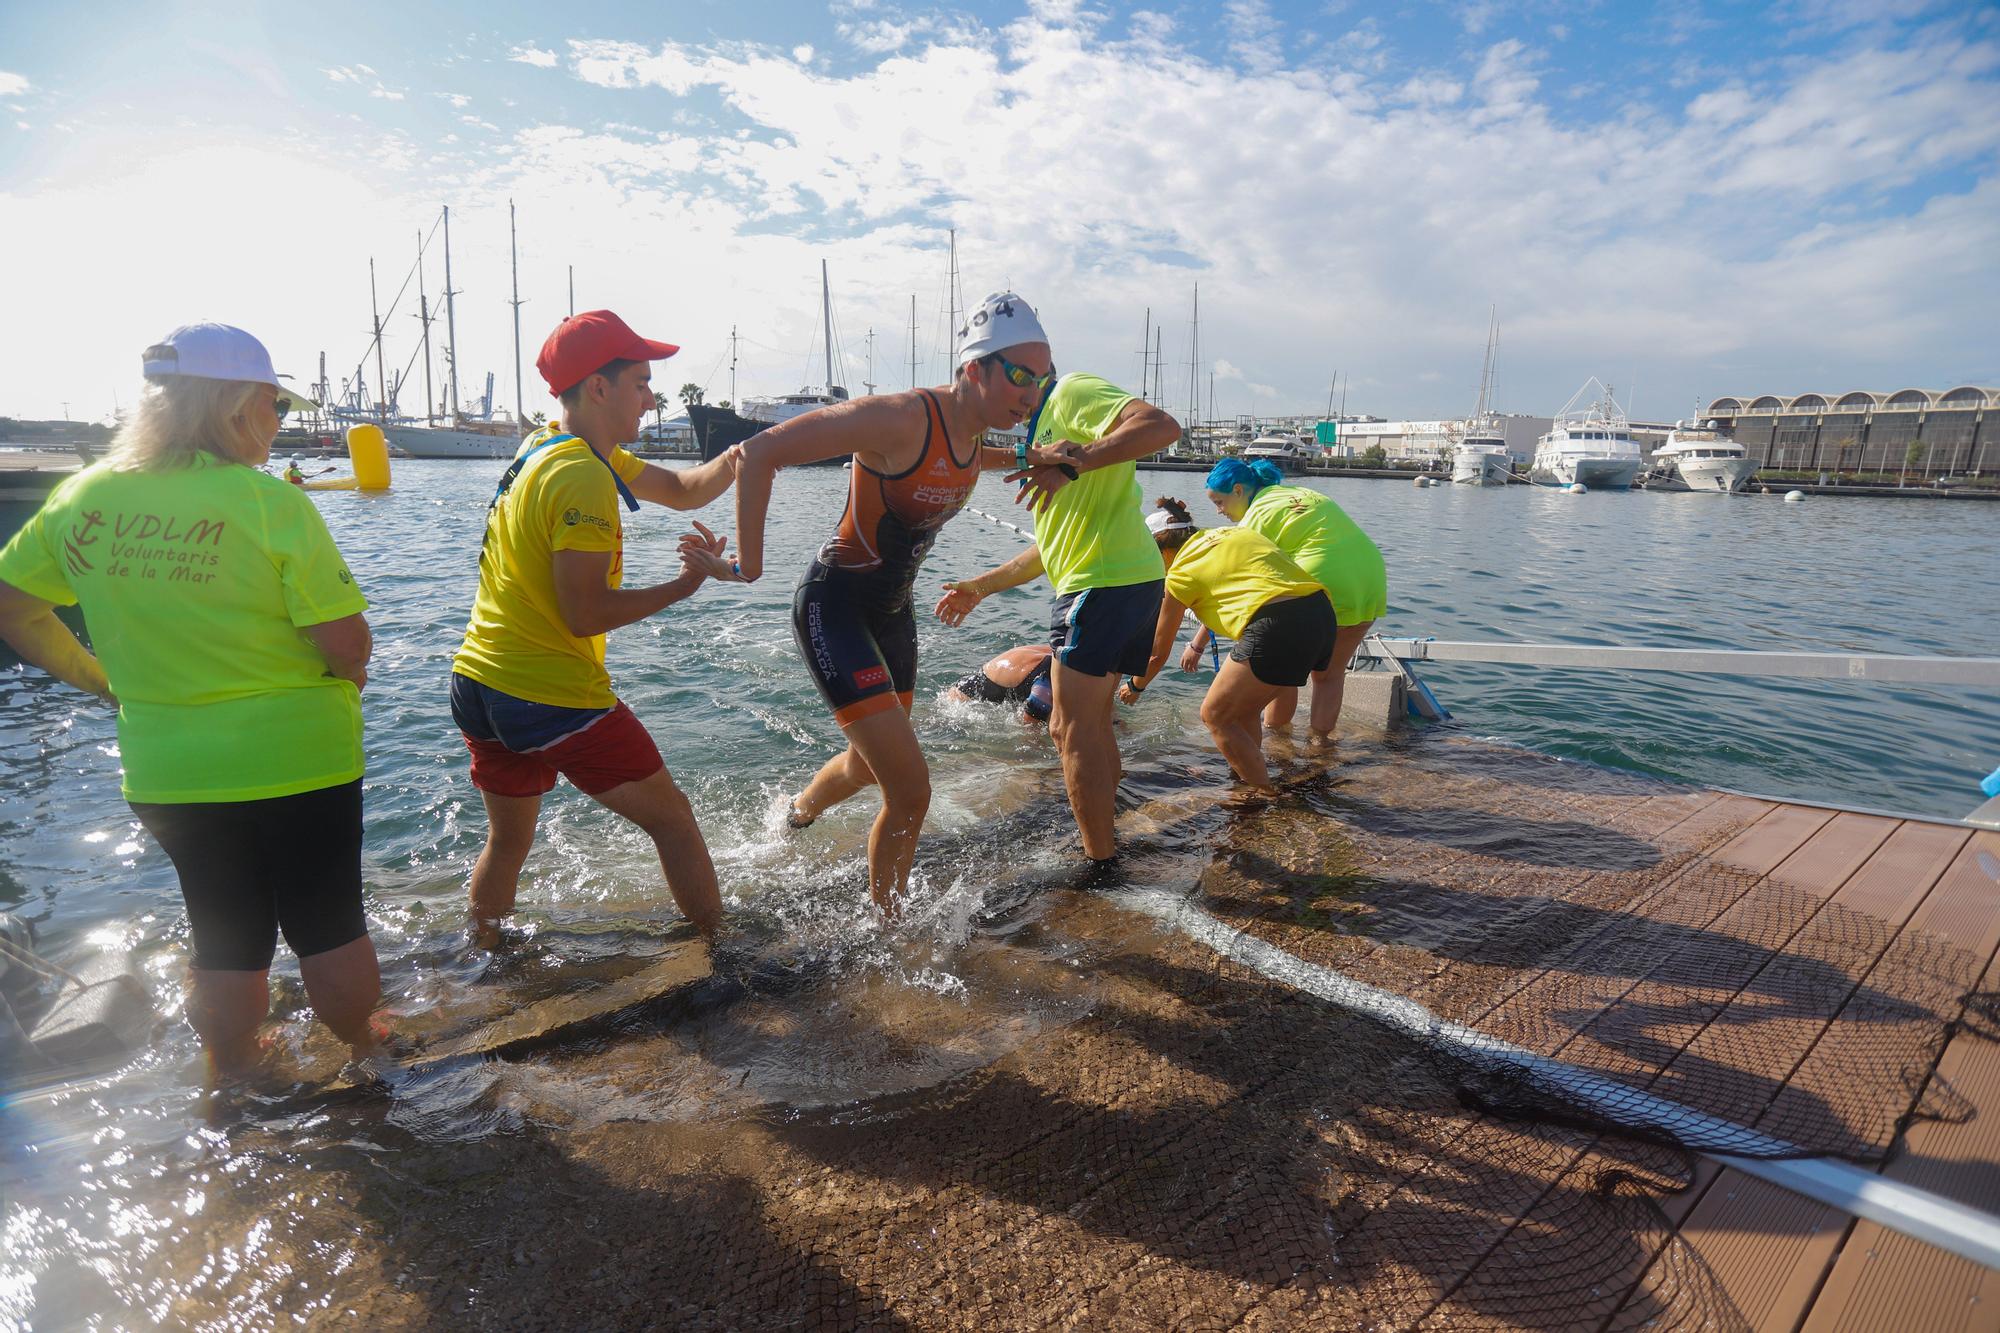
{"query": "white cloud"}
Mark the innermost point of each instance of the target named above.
(458, 101)
(1347, 218)
(530, 54)
(13, 85)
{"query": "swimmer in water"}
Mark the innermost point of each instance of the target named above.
(1018, 676)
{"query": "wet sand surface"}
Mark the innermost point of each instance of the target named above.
(1093, 1122)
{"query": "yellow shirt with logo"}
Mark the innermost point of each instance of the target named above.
(1225, 574)
(196, 583)
(563, 500)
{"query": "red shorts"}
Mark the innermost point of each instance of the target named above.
(609, 752)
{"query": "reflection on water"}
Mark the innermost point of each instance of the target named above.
(129, 1191)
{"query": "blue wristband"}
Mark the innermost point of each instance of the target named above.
(1020, 453)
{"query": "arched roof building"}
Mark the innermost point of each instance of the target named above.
(1903, 431)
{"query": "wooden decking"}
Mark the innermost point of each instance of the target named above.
(1783, 1261)
(1787, 1262)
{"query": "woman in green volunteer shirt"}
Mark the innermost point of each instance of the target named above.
(1238, 584)
(229, 635)
(1322, 540)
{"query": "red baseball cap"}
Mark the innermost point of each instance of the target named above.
(584, 344)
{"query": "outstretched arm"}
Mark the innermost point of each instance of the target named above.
(30, 627)
(885, 433)
(960, 598)
(689, 488)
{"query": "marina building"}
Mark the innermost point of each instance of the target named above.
(1949, 433)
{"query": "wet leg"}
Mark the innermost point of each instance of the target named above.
(839, 778)
(887, 744)
(345, 985)
(1329, 685)
(226, 1009)
(1081, 723)
(496, 876)
(659, 807)
(1281, 709)
(1230, 711)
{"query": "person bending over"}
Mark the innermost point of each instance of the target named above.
(1240, 585)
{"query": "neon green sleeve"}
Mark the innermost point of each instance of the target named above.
(318, 585)
(31, 561)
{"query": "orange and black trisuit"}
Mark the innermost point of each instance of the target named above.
(852, 614)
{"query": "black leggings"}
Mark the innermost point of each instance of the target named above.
(249, 869)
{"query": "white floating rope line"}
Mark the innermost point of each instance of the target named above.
(1918, 1213)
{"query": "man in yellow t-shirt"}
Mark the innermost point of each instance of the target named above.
(1090, 536)
(528, 688)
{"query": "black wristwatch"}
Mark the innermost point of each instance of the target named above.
(1132, 683)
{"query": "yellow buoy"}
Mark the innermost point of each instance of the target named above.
(369, 452)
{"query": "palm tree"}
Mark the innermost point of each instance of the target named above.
(659, 413)
(691, 394)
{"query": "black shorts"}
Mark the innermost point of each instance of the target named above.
(1285, 642)
(864, 660)
(249, 869)
(1106, 631)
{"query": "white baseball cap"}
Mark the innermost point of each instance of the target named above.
(1002, 320)
(211, 352)
(1163, 520)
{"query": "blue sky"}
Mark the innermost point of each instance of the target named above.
(1685, 199)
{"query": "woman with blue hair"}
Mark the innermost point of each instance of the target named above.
(1319, 537)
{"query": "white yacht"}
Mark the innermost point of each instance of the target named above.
(1282, 447)
(469, 438)
(771, 411)
(1700, 458)
(1480, 457)
(1591, 445)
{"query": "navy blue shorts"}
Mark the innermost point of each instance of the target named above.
(1106, 631)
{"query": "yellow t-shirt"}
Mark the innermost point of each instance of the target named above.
(563, 500)
(1225, 574)
(196, 582)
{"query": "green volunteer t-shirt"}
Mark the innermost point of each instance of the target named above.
(1093, 534)
(196, 583)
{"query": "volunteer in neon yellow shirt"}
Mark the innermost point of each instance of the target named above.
(229, 633)
(1240, 585)
(1319, 536)
(528, 687)
(1091, 539)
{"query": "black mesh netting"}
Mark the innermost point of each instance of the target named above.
(1208, 1146)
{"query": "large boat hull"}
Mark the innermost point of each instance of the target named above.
(1718, 476)
(446, 442)
(1480, 469)
(1597, 474)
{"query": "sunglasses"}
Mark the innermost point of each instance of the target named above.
(283, 404)
(1021, 377)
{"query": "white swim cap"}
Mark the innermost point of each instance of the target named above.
(1002, 320)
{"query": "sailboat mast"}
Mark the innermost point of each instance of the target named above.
(1159, 363)
(514, 259)
(913, 340)
(450, 315)
(951, 306)
(1194, 363)
(732, 367)
(381, 402)
(1146, 354)
(826, 317)
(424, 317)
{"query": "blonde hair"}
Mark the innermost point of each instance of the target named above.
(180, 416)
